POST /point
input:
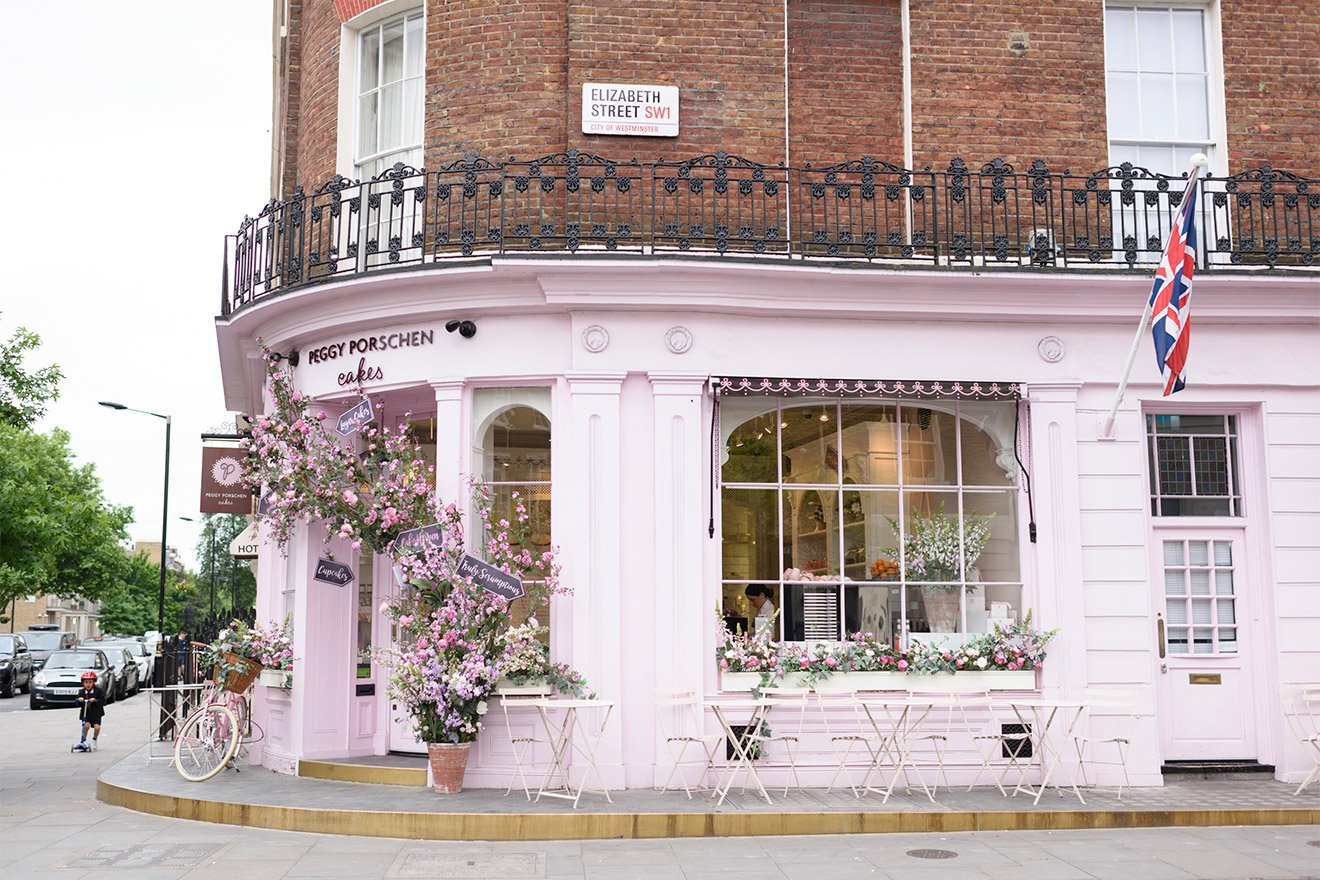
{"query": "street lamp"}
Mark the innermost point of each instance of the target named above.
(209, 530)
(164, 529)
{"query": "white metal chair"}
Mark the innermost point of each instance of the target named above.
(938, 725)
(521, 744)
(787, 718)
(1301, 707)
(1115, 710)
(850, 731)
(678, 714)
(993, 742)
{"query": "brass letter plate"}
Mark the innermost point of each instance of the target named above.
(1205, 678)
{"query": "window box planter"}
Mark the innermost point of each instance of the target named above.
(846, 682)
(530, 688)
(277, 678)
(941, 682)
(739, 681)
(972, 682)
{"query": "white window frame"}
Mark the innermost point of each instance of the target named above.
(1218, 120)
(346, 157)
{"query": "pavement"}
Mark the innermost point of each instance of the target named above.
(52, 826)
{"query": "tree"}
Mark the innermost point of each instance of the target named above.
(58, 534)
(234, 583)
(23, 394)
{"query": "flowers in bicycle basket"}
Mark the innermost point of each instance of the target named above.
(235, 656)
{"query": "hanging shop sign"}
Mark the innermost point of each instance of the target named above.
(355, 418)
(414, 540)
(490, 578)
(364, 347)
(266, 504)
(222, 481)
(630, 109)
(330, 572)
(246, 544)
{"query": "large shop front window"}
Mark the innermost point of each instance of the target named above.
(513, 455)
(894, 518)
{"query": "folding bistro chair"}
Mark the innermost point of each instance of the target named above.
(521, 743)
(678, 714)
(945, 710)
(1301, 706)
(850, 731)
(996, 741)
(1116, 711)
(787, 717)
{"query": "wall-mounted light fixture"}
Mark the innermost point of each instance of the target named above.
(466, 329)
(291, 357)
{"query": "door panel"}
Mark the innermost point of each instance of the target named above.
(1206, 706)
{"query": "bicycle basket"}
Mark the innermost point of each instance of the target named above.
(242, 671)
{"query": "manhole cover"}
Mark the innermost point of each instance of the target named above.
(932, 854)
(145, 855)
(426, 864)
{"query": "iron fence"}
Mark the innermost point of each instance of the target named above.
(986, 217)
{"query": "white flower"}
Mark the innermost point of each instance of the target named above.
(980, 664)
(870, 653)
(482, 707)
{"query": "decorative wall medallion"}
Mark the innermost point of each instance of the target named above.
(1051, 349)
(595, 338)
(678, 339)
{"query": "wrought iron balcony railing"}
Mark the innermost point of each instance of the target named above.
(866, 211)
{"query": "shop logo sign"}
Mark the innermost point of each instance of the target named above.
(330, 572)
(222, 481)
(355, 418)
(415, 540)
(490, 578)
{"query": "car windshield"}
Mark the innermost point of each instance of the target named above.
(44, 641)
(71, 660)
(6, 644)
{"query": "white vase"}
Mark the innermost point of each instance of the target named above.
(942, 608)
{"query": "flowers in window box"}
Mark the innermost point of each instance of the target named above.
(871, 655)
(931, 546)
(734, 653)
(525, 658)
(1006, 648)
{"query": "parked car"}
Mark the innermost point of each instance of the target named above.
(146, 662)
(127, 678)
(42, 639)
(60, 679)
(15, 665)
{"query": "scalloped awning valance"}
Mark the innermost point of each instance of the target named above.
(893, 389)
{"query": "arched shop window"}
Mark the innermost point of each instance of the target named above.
(892, 517)
(512, 452)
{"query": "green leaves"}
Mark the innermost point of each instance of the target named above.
(23, 394)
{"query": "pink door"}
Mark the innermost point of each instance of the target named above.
(1203, 682)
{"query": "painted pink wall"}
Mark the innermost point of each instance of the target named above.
(631, 456)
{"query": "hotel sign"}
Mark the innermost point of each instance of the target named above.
(630, 109)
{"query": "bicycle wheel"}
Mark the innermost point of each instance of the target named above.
(205, 743)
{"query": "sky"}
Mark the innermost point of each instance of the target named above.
(150, 127)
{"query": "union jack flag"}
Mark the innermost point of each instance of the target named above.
(1171, 297)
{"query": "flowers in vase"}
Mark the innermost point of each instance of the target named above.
(525, 658)
(932, 549)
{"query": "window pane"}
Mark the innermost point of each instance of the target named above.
(870, 444)
(998, 559)
(367, 140)
(1124, 109)
(391, 116)
(750, 455)
(1226, 612)
(536, 502)
(1183, 424)
(412, 111)
(1154, 40)
(931, 544)
(988, 443)
(811, 443)
(870, 542)
(1198, 552)
(1201, 611)
(1193, 108)
(365, 608)
(1120, 39)
(1174, 582)
(1189, 40)
(811, 520)
(1223, 552)
(414, 42)
(392, 52)
(1224, 583)
(1228, 640)
(369, 61)
(929, 446)
(876, 611)
(739, 613)
(517, 446)
(1156, 100)
(1176, 610)
(1203, 640)
(1173, 552)
(1177, 640)
(751, 528)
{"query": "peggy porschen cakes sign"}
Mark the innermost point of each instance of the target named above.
(630, 109)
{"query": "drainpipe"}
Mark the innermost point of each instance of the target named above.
(788, 188)
(907, 85)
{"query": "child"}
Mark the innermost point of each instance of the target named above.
(91, 709)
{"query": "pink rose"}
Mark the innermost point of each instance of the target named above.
(803, 661)
(1012, 666)
(902, 665)
(724, 664)
(829, 661)
(958, 663)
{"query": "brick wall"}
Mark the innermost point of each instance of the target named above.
(290, 98)
(1272, 84)
(496, 75)
(1000, 78)
(845, 62)
(318, 92)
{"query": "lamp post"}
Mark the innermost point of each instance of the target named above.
(209, 528)
(164, 532)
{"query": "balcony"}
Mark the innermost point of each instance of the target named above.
(863, 213)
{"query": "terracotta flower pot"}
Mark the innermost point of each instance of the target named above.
(448, 763)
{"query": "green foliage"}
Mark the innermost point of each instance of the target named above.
(130, 608)
(58, 534)
(23, 394)
(235, 585)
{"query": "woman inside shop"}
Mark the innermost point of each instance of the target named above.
(759, 596)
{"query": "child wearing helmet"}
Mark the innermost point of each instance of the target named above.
(91, 709)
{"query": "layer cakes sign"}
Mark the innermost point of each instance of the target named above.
(630, 109)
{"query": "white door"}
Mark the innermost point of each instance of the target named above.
(1206, 701)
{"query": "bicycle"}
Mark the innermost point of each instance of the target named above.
(212, 737)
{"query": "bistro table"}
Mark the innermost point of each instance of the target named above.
(905, 717)
(741, 744)
(1040, 717)
(570, 735)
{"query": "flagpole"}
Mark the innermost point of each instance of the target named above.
(1199, 161)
